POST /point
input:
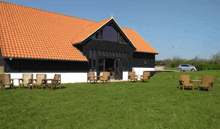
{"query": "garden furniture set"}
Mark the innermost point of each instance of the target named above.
(133, 77)
(27, 80)
(206, 82)
(104, 77)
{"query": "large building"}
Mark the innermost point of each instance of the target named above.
(38, 41)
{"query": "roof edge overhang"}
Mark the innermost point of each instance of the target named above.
(125, 35)
(132, 45)
(41, 59)
(146, 52)
(93, 32)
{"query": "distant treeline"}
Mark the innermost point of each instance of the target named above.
(201, 64)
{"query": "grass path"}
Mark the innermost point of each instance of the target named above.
(158, 104)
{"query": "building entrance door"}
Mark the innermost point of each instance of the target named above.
(117, 69)
(109, 66)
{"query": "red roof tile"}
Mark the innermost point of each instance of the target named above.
(140, 44)
(32, 33)
(88, 30)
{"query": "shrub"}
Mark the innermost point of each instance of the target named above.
(213, 67)
(190, 62)
(200, 66)
(173, 64)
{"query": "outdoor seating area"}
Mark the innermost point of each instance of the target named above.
(104, 77)
(42, 80)
(27, 80)
(206, 82)
(121, 98)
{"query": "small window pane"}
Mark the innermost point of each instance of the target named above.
(97, 36)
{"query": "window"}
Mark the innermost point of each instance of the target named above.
(101, 36)
(121, 39)
(94, 54)
(185, 65)
(97, 35)
(90, 54)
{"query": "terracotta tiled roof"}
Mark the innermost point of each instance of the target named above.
(140, 44)
(32, 33)
(88, 30)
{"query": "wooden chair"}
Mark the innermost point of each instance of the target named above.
(145, 76)
(105, 77)
(39, 81)
(91, 77)
(184, 80)
(132, 76)
(109, 74)
(207, 82)
(6, 80)
(55, 81)
(26, 80)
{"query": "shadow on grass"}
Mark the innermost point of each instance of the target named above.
(16, 87)
(202, 89)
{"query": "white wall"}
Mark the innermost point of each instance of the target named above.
(76, 77)
(139, 70)
(125, 75)
(65, 77)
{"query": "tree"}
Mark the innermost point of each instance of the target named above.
(215, 58)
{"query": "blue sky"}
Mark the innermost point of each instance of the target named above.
(185, 28)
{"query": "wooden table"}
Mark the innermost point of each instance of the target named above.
(196, 81)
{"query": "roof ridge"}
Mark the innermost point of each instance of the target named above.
(127, 28)
(46, 11)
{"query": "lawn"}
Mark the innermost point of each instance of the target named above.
(157, 104)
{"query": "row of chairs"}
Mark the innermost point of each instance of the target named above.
(105, 77)
(27, 80)
(206, 82)
(133, 77)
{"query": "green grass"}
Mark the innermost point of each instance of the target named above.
(170, 68)
(157, 104)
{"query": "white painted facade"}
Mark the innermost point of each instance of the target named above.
(65, 77)
(139, 70)
(76, 77)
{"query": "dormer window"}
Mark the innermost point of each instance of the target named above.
(121, 39)
(97, 35)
